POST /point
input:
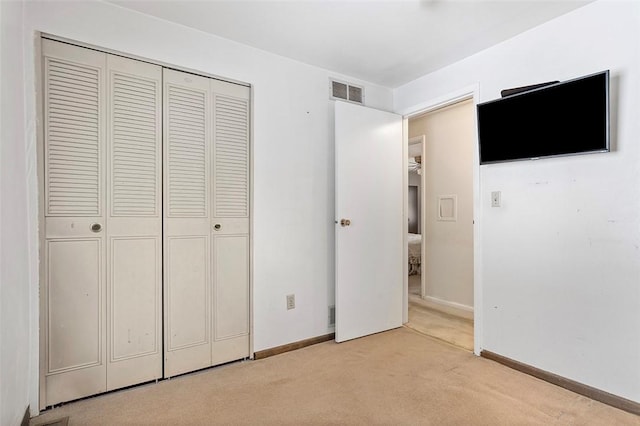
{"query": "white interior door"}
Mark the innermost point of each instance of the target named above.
(369, 198)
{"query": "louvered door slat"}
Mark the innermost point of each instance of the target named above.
(72, 139)
(231, 167)
(132, 88)
(186, 152)
(134, 145)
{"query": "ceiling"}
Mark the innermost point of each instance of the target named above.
(385, 42)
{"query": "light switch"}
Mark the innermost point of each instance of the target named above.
(495, 199)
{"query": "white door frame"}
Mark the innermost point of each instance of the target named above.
(465, 93)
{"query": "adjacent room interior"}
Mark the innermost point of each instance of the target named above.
(440, 210)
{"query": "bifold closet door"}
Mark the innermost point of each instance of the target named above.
(124, 211)
(74, 308)
(187, 222)
(230, 322)
(134, 223)
(206, 225)
(101, 305)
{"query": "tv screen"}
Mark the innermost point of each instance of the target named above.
(570, 117)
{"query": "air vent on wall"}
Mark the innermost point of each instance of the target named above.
(347, 92)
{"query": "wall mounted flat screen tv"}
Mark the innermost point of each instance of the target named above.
(566, 118)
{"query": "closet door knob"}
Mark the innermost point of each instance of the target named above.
(217, 226)
(96, 227)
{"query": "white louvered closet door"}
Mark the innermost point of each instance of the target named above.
(134, 222)
(206, 225)
(146, 222)
(230, 322)
(102, 309)
(187, 223)
(73, 308)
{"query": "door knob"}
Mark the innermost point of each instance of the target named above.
(217, 226)
(345, 222)
(96, 227)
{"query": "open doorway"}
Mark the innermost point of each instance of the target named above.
(440, 213)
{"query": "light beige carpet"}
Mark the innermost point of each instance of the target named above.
(395, 378)
(450, 328)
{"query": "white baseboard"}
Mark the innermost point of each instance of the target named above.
(452, 308)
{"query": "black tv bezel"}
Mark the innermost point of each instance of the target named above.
(525, 93)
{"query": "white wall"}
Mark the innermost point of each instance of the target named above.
(14, 267)
(560, 260)
(293, 152)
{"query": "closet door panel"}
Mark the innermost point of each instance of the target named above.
(188, 145)
(74, 129)
(231, 221)
(135, 139)
(75, 303)
(75, 296)
(187, 273)
(188, 291)
(230, 155)
(134, 222)
(231, 301)
(133, 296)
(74, 254)
(231, 298)
(187, 222)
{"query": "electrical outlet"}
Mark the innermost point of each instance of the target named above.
(291, 301)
